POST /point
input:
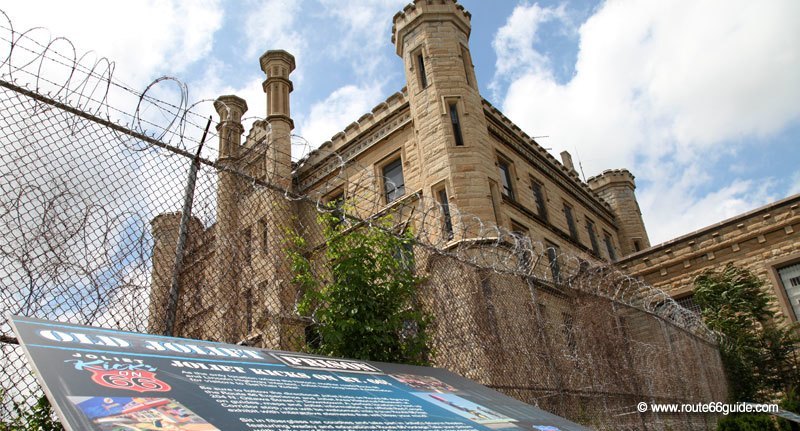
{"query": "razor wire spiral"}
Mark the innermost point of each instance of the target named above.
(83, 177)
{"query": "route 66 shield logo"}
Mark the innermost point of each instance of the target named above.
(138, 380)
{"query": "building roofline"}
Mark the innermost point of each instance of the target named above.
(793, 199)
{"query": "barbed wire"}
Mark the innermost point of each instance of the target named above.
(91, 195)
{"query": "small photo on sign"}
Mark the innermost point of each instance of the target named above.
(468, 409)
(423, 383)
(134, 414)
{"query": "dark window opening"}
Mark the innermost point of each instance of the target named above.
(313, 339)
(505, 177)
(247, 249)
(524, 256)
(552, 257)
(447, 226)
(336, 204)
(456, 125)
(609, 246)
(264, 236)
(538, 196)
(423, 78)
(249, 309)
(466, 59)
(405, 255)
(592, 237)
(569, 331)
(637, 246)
(393, 183)
(573, 231)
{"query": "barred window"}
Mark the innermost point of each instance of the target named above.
(505, 178)
(456, 124)
(573, 231)
(592, 237)
(538, 197)
(393, 182)
(447, 222)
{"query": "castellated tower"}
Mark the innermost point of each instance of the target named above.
(225, 288)
(616, 187)
(452, 141)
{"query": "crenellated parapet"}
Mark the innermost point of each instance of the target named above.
(616, 187)
(622, 177)
(420, 11)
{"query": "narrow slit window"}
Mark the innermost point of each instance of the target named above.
(467, 63)
(592, 237)
(569, 331)
(456, 124)
(505, 177)
(247, 249)
(525, 259)
(573, 231)
(447, 225)
(264, 236)
(538, 196)
(609, 246)
(552, 257)
(336, 204)
(423, 77)
(248, 306)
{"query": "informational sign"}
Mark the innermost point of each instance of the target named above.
(106, 380)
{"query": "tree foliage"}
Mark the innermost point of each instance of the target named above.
(758, 347)
(364, 307)
(746, 422)
(39, 417)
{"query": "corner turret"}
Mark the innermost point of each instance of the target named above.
(616, 187)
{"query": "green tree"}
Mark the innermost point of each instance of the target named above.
(39, 417)
(757, 346)
(365, 308)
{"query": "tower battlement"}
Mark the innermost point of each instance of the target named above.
(428, 10)
(612, 176)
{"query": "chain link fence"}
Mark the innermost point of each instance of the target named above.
(93, 179)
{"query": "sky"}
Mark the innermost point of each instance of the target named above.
(697, 98)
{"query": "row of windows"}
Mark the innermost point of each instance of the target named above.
(394, 188)
(537, 188)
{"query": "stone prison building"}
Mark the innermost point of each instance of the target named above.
(438, 144)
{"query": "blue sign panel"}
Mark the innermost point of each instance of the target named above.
(106, 380)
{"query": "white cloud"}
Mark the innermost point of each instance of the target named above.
(696, 212)
(272, 24)
(514, 43)
(663, 88)
(143, 38)
(365, 32)
(339, 109)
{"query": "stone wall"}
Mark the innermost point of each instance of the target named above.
(760, 240)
